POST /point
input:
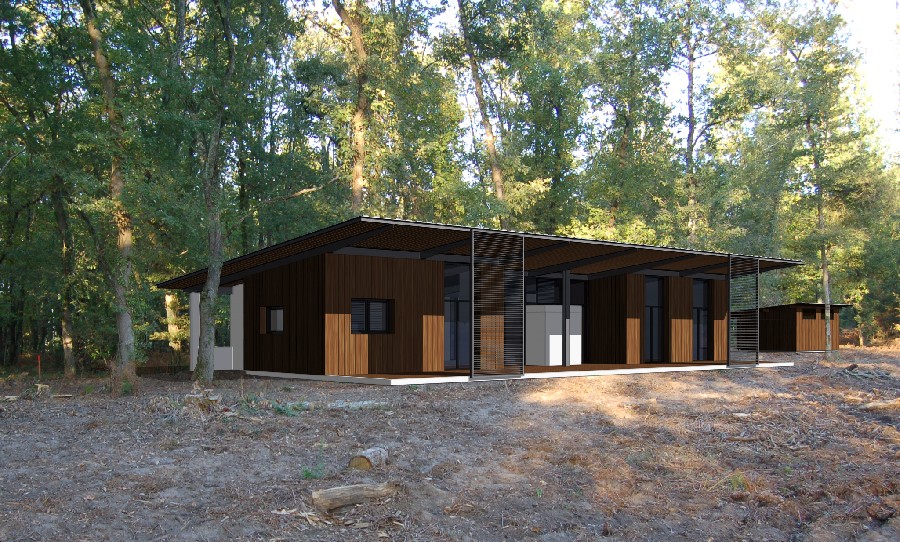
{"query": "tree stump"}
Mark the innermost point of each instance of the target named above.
(369, 459)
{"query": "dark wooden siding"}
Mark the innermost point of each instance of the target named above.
(604, 315)
(298, 288)
(679, 320)
(784, 329)
(720, 319)
(417, 290)
(614, 318)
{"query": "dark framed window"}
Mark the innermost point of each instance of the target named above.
(809, 314)
(273, 319)
(701, 324)
(371, 316)
(654, 296)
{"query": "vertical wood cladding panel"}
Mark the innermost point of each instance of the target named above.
(679, 320)
(720, 319)
(811, 332)
(605, 319)
(416, 288)
(634, 314)
(298, 288)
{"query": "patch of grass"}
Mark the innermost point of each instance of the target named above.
(127, 387)
(88, 389)
(289, 409)
(318, 470)
(738, 482)
(414, 387)
(538, 493)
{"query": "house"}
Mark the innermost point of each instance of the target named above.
(399, 302)
(798, 327)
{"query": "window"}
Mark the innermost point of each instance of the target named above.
(371, 316)
(653, 318)
(274, 319)
(809, 314)
(700, 312)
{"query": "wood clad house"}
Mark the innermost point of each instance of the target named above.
(392, 301)
(798, 327)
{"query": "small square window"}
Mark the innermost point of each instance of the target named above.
(371, 316)
(274, 319)
(809, 314)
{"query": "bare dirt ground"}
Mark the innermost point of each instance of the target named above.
(804, 453)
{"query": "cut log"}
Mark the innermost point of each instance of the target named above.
(336, 497)
(369, 459)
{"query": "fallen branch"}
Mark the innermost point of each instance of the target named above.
(336, 497)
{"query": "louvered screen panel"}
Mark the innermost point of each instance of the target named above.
(743, 321)
(498, 305)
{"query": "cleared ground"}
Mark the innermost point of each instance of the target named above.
(804, 453)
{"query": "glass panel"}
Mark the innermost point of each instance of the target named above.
(275, 319)
(378, 316)
(450, 339)
(701, 294)
(809, 314)
(577, 292)
(357, 316)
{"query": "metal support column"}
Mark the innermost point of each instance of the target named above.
(566, 315)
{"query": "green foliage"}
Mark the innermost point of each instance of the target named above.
(588, 101)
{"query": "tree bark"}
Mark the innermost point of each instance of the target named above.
(497, 177)
(690, 57)
(354, 23)
(336, 497)
(823, 248)
(68, 266)
(212, 189)
(122, 272)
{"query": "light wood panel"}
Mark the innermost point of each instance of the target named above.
(679, 320)
(634, 314)
(719, 308)
(416, 288)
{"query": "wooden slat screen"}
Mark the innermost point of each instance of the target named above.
(498, 304)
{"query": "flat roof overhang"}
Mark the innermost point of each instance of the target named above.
(544, 254)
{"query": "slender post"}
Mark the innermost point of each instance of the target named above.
(728, 317)
(472, 300)
(757, 311)
(566, 306)
(524, 311)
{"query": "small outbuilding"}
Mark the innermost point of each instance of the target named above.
(798, 327)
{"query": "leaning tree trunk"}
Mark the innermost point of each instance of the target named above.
(489, 138)
(354, 22)
(212, 194)
(68, 266)
(122, 271)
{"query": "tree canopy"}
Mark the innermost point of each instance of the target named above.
(141, 140)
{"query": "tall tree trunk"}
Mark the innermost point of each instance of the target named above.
(690, 52)
(823, 248)
(212, 192)
(121, 276)
(68, 266)
(489, 139)
(354, 23)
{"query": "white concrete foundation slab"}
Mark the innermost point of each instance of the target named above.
(408, 381)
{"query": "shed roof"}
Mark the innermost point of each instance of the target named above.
(544, 254)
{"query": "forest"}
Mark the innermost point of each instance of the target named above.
(143, 139)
